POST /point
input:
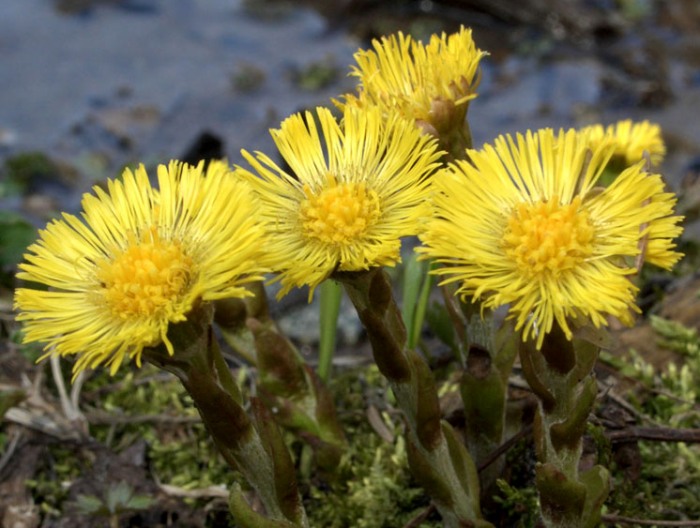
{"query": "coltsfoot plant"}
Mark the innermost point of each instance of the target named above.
(549, 227)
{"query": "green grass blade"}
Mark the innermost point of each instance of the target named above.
(421, 307)
(412, 279)
(331, 294)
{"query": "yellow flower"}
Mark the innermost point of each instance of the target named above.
(431, 84)
(631, 140)
(354, 189)
(138, 260)
(523, 223)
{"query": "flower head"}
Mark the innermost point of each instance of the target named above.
(524, 224)
(431, 84)
(631, 140)
(138, 260)
(354, 190)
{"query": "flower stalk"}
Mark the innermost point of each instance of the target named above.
(486, 353)
(251, 445)
(561, 376)
(489, 356)
(301, 400)
(437, 457)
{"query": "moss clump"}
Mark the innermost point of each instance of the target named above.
(316, 75)
(668, 485)
(519, 506)
(22, 170)
(181, 452)
(375, 489)
(372, 487)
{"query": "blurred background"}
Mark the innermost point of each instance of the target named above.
(89, 86)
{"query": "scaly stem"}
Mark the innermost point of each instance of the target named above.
(561, 375)
(484, 388)
(302, 401)
(437, 458)
(252, 446)
(487, 357)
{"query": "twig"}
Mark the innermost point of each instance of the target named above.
(68, 404)
(420, 517)
(656, 434)
(145, 380)
(201, 493)
(102, 418)
(671, 396)
(505, 446)
(43, 424)
(76, 388)
(11, 446)
(610, 393)
(646, 522)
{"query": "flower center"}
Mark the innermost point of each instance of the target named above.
(147, 278)
(340, 213)
(547, 237)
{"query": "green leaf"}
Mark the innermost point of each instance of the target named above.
(15, 235)
(24, 168)
(9, 399)
(89, 504)
(440, 323)
(118, 496)
(139, 502)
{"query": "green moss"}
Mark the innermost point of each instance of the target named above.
(316, 75)
(373, 487)
(247, 78)
(47, 486)
(181, 454)
(519, 507)
(668, 486)
(675, 336)
(21, 170)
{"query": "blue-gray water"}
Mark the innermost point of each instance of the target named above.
(134, 80)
